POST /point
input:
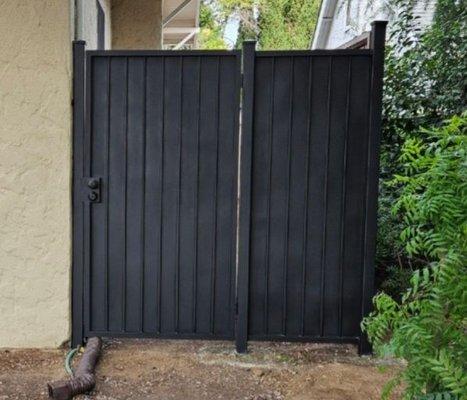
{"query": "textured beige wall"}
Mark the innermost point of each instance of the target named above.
(35, 113)
(136, 24)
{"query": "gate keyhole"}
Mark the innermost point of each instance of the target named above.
(92, 196)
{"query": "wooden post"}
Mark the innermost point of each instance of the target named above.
(246, 146)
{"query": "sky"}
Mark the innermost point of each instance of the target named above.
(231, 32)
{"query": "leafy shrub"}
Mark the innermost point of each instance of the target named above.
(395, 280)
(425, 83)
(428, 326)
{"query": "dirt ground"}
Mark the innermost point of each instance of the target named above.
(166, 369)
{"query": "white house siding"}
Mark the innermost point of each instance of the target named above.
(341, 20)
(86, 22)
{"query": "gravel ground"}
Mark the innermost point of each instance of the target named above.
(167, 369)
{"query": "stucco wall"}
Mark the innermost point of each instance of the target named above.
(136, 24)
(87, 22)
(35, 116)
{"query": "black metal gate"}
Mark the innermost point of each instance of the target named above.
(155, 193)
(159, 194)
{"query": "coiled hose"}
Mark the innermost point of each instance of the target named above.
(69, 359)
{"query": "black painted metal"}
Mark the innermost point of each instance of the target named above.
(245, 196)
(154, 249)
(377, 41)
(77, 296)
(159, 247)
(312, 216)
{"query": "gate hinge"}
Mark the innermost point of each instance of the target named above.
(92, 192)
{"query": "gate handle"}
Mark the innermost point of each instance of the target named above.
(93, 183)
(92, 191)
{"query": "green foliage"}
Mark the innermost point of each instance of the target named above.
(275, 24)
(425, 83)
(424, 183)
(428, 326)
(438, 396)
(211, 33)
(287, 24)
(425, 73)
(395, 280)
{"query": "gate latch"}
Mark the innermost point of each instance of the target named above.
(92, 191)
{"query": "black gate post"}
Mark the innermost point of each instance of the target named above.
(377, 42)
(77, 204)
(241, 334)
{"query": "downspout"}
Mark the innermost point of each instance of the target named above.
(326, 15)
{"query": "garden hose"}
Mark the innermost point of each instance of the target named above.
(84, 379)
(69, 359)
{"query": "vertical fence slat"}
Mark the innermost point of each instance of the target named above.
(179, 199)
(259, 197)
(235, 193)
(212, 303)
(171, 144)
(116, 187)
(246, 151)
(187, 256)
(267, 251)
(207, 194)
(278, 194)
(107, 192)
(143, 198)
(325, 200)
(125, 201)
(99, 120)
(337, 134)
(307, 194)
(161, 205)
(196, 205)
(287, 210)
(134, 178)
(316, 199)
(226, 198)
(342, 216)
(153, 192)
(298, 146)
(355, 185)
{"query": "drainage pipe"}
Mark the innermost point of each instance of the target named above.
(84, 379)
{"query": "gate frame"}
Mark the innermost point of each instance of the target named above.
(376, 50)
(377, 43)
(81, 209)
(78, 212)
(81, 168)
